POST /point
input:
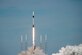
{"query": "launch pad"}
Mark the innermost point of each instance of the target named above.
(30, 51)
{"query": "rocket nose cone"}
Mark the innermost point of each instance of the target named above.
(33, 12)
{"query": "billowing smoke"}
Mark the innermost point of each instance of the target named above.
(70, 50)
(30, 51)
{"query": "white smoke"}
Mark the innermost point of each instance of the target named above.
(30, 51)
(70, 50)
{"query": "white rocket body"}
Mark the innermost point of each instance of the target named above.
(33, 33)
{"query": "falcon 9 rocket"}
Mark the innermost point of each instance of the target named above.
(33, 33)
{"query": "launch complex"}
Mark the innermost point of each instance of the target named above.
(33, 50)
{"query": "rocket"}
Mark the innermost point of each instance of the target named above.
(33, 33)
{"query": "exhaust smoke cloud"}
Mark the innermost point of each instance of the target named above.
(30, 51)
(70, 50)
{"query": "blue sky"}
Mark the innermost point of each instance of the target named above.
(61, 20)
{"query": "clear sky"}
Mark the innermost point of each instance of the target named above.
(61, 20)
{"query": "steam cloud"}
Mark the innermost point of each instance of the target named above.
(30, 51)
(70, 50)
